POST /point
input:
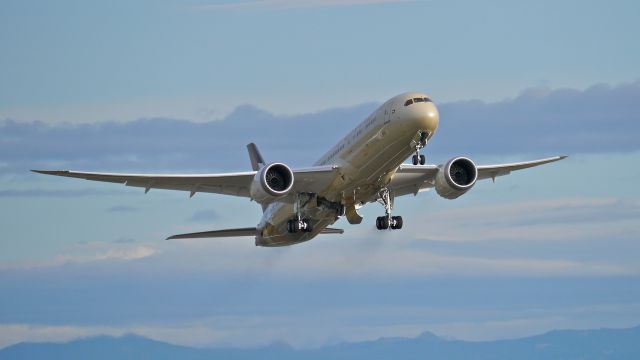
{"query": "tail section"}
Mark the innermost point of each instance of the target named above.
(257, 161)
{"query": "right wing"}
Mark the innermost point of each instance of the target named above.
(411, 179)
(313, 180)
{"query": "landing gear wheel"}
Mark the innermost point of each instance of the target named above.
(307, 225)
(293, 226)
(382, 223)
(423, 159)
(396, 222)
(415, 159)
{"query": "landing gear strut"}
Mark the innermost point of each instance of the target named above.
(418, 158)
(387, 221)
(298, 224)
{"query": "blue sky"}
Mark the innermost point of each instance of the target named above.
(182, 86)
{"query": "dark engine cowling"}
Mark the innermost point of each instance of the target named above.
(456, 177)
(271, 182)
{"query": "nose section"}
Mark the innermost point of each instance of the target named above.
(423, 116)
(430, 118)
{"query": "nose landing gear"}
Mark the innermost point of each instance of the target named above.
(387, 221)
(418, 158)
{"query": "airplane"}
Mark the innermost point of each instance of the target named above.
(366, 166)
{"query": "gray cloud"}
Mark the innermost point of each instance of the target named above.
(599, 119)
(539, 121)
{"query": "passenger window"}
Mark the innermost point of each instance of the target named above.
(408, 102)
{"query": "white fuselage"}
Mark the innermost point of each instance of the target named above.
(367, 157)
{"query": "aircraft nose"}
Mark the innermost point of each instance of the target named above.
(423, 116)
(430, 118)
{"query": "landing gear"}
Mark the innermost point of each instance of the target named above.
(384, 222)
(295, 226)
(387, 221)
(418, 158)
(298, 224)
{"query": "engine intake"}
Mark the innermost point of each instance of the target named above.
(456, 177)
(272, 182)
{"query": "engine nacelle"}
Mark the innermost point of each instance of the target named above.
(456, 177)
(271, 182)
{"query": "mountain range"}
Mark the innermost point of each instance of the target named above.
(558, 344)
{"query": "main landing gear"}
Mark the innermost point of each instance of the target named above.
(299, 224)
(418, 158)
(387, 221)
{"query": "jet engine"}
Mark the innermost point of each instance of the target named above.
(456, 177)
(271, 182)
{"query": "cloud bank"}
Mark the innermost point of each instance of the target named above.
(538, 122)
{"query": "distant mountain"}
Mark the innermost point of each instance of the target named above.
(565, 344)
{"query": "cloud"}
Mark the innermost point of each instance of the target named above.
(99, 251)
(562, 219)
(290, 4)
(122, 209)
(117, 251)
(599, 119)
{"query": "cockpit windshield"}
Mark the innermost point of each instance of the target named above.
(416, 100)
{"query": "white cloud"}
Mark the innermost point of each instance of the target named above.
(364, 252)
(91, 252)
(556, 219)
(377, 255)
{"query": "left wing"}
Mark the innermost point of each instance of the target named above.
(312, 179)
(410, 179)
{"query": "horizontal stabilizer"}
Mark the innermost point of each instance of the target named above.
(217, 234)
(236, 232)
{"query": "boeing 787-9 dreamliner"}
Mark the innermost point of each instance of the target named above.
(365, 166)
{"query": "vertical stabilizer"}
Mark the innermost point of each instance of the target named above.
(257, 161)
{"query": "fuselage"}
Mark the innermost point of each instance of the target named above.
(367, 157)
